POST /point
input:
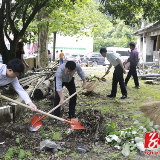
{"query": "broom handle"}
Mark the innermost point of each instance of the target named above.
(103, 76)
(24, 105)
(65, 100)
(56, 107)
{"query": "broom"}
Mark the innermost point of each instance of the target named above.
(151, 110)
(92, 85)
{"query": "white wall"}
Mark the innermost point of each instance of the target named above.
(73, 44)
(139, 46)
(144, 49)
(149, 46)
(68, 44)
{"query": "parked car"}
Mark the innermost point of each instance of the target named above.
(76, 57)
(69, 57)
(93, 59)
(123, 52)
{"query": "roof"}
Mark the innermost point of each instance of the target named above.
(148, 28)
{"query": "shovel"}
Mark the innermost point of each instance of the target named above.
(75, 124)
(36, 122)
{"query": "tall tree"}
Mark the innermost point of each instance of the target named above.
(118, 35)
(66, 20)
(14, 19)
(82, 19)
(43, 30)
(59, 17)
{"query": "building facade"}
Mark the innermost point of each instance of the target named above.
(148, 43)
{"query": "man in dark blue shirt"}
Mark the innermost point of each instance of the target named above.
(133, 59)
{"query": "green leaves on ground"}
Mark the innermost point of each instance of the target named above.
(130, 139)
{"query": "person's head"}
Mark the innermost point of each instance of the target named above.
(20, 46)
(70, 66)
(57, 51)
(61, 50)
(132, 45)
(103, 52)
(14, 68)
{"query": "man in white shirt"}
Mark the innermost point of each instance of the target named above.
(116, 61)
(8, 74)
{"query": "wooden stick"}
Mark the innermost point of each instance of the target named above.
(38, 84)
(28, 80)
(50, 115)
(29, 77)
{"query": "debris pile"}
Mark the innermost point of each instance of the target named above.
(93, 121)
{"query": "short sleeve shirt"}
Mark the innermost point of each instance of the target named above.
(112, 58)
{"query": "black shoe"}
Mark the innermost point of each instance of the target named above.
(1, 142)
(137, 87)
(111, 96)
(124, 96)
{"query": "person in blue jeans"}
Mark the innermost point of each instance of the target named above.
(61, 56)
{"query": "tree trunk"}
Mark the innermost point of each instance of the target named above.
(9, 54)
(54, 44)
(43, 41)
(42, 90)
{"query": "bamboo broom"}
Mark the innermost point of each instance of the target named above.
(92, 85)
(151, 110)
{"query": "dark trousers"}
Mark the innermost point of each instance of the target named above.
(118, 77)
(132, 72)
(72, 103)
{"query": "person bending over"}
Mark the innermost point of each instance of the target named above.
(64, 77)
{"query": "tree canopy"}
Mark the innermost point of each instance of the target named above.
(83, 18)
(69, 17)
(132, 11)
(118, 35)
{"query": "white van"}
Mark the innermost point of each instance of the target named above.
(124, 52)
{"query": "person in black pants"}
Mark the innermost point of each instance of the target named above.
(116, 61)
(64, 77)
(133, 59)
(72, 103)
